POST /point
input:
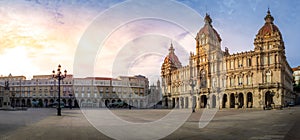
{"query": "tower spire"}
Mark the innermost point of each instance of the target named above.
(207, 19)
(171, 49)
(269, 18)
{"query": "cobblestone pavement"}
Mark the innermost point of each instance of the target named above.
(227, 124)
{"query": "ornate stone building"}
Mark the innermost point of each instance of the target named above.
(217, 79)
(42, 91)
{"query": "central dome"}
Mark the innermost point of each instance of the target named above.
(208, 29)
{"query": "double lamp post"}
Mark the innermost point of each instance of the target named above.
(59, 76)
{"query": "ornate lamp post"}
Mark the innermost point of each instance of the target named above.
(59, 76)
(192, 84)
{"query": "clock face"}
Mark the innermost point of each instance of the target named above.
(203, 35)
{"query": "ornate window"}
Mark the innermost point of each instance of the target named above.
(213, 83)
(249, 63)
(266, 60)
(232, 81)
(202, 78)
(240, 63)
(249, 79)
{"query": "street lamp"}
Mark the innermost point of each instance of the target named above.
(59, 76)
(13, 100)
(192, 84)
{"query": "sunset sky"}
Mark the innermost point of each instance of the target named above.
(36, 36)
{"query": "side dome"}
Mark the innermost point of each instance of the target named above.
(171, 61)
(269, 28)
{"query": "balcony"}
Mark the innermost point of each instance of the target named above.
(268, 85)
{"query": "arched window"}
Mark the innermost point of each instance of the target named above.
(240, 80)
(268, 76)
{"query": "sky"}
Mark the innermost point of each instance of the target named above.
(36, 35)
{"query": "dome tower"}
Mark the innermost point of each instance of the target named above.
(268, 36)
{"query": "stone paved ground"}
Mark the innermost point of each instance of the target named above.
(227, 124)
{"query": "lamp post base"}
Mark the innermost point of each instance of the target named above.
(59, 111)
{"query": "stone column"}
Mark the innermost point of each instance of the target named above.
(245, 101)
(228, 101)
(198, 102)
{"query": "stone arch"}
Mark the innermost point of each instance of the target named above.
(40, 103)
(76, 105)
(23, 102)
(249, 100)
(51, 101)
(173, 102)
(224, 101)
(70, 103)
(46, 102)
(269, 99)
(203, 101)
(28, 103)
(241, 100)
(17, 102)
(64, 101)
(106, 102)
(34, 102)
(232, 100)
(166, 101)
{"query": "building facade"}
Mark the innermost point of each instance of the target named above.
(42, 91)
(296, 74)
(217, 79)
